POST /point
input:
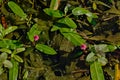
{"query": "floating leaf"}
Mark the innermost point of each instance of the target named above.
(96, 71)
(68, 21)
(16, 9)
(46, 49)
(9, 30)
(53, 13)
(13, 72)
(18, 58)
(79, 11)
(7, 64)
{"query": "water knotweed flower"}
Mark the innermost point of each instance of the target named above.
(83, 47)
(36, 38)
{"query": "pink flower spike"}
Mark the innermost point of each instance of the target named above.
(83, 47)
(36, 38)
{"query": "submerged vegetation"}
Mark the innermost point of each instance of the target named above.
(60, 40)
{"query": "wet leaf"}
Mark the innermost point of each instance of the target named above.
(46, 49)
(53, 13)
(7, 64)
(96, 71)
(18, 58)
(16, 9)
(13, 72)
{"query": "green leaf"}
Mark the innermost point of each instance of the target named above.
(103, 61)
(33, 31)
(6, 50)
(18, 58)
(13, 72)
(53, 13)
(91, 57)
(1, 70)
(46, 49)
(9, 30)
(55, 28)
(1, 28)
(78, 54)
(89, 19)
(19, 50)
(3, 57)
(16, 9)
(54, 4)
(1, 31)
(72, 36)
(10, 44)
(96, 71)
(79, 11)
(1, 1)
(66, 10)
(91, 15)
(68, 21)
(25, 76)
(94, 6)
(111, 48)
(7, 64)
(101, 48)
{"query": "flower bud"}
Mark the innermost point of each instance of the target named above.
(83, 47)
(36, 38)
